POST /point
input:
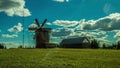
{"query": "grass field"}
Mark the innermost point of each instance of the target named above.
(59, 58)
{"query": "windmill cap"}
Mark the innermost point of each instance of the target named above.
(45, 29)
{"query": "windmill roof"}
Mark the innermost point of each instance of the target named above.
(45, 29)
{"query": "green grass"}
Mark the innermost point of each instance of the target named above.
(59, 58)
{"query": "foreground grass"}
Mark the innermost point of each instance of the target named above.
(59, 58)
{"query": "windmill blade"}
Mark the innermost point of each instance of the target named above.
(36, 20)
(43, 23)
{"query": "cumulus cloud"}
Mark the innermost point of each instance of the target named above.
(101, 36)
(14, 7)
(90, 34)
(48, 23)
(70, 32)
(9, 36)
(117, 35)
(16, 28)
(62, 32)
(61, 0)
(96, 29)
(83, 24)
(108, 23)
(65, 23)
(33, 25)
(103, 40)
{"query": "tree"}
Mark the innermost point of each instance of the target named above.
(118, 45)
(20, 46)
(104, 46)
(1, 46)
(94, 44)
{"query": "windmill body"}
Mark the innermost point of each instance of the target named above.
(41, 35)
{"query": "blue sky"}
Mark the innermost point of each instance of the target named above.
(98, 19)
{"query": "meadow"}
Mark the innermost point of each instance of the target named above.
(59, 58)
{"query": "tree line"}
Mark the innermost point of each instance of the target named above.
(113, 46)
(94, 44)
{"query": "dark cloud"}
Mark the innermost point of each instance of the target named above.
(14, 7)
(62, 32)
(8, 4)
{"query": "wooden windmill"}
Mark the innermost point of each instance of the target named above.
(41, 34)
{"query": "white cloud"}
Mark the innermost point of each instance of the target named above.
(65, 23)
(99, 35)
(90, 34)
(61, 0)
(33, 26)
(83, 24)
(98, 29)
(48, 23)
(16, 28)
(103, 40)
(67, 0)
(114, 16)
(117, 35)
(108, 23)
(14, 7)
(70, 32)
(9, 36)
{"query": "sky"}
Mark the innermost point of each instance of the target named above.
(95, 19)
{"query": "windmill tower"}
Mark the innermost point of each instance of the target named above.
(41, 34)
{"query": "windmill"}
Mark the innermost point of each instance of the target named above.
(41, 34)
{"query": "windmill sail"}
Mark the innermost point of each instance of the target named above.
(36, 21)
(43, 23)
